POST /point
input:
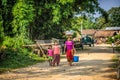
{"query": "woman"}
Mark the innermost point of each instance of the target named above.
(69, 50)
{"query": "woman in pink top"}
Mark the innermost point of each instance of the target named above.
(56, 51)
(69, 50)
(50, 55)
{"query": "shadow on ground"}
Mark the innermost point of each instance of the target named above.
(81, 68)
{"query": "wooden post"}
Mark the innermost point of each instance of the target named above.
(40, 47)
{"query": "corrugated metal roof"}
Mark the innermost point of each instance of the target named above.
(112, 28)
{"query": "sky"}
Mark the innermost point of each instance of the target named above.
(108, 4)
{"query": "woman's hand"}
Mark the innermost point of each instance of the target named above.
(74, 51)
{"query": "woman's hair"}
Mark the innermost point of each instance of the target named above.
(69, 38)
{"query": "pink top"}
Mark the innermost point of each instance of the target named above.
(56, 49)
(50, 52)
(69, 45)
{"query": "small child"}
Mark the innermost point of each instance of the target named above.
(50, 55)
(56, 51)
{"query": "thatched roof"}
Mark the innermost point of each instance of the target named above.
(88, 32)
(98, 33)
(104, 33)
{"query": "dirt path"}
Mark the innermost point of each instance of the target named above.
(93, 65)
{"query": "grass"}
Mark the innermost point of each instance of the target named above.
(118, 48)
(19, 59)
(115, 60)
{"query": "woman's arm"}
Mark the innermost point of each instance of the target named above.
(74, 48)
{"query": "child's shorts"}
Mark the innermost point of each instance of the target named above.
(50, 57)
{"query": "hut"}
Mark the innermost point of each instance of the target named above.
(89, 32)
(102, 35)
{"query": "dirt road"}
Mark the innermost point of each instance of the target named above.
(94, 64)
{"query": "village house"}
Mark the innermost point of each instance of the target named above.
(89, 32)
(101, 36)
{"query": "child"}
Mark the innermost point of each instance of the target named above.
(56, 51)
(50, 55)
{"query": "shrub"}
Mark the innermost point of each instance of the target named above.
(19, 57)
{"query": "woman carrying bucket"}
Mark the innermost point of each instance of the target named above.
(69, 50)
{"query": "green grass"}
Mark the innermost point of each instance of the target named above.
(118, 48)
(19, 59)
(115, 60)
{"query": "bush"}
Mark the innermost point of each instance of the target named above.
(16, 58)
(114, 38)
(110, 40)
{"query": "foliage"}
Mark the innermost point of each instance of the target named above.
(114, 16)
(23, 15)
(85, 23)
(16, 58)
(39, 18)
(110, 40)
(54, 17)
(1, 29)
(110, 18)
(89, 23)
(114, 38)
(15, 42)
(101, 22)
(7, 17)
(117, 37)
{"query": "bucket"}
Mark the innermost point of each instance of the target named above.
(75, 58)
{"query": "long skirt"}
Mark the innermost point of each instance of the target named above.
(56, 59)
(69, 55)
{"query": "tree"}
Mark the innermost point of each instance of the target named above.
(41, 19)
(86, 23)
(54, 16)
(1, 29)
(23, 15)
(100, 22)
(110, 18)
(114, 16)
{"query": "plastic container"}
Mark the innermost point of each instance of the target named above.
(76, 59)
(69, 32)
